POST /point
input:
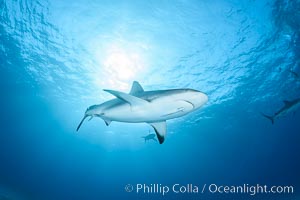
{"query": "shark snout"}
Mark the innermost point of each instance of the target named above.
(198, 98)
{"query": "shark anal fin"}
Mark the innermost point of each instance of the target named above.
(136, 88)
(160, 130)
(132, 100)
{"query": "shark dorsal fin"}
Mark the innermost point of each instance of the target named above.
(132, 100)
(160, 130)
(287, 102)
(136, 88)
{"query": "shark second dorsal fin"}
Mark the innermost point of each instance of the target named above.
(160, 130)
(132, 100)
(136, 88)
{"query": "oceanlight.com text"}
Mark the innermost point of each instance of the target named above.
(177, 188)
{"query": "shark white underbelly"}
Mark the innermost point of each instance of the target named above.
(157, 110)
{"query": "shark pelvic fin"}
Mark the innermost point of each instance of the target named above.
(132, 100)
(160, 130)
(136, 88)
(107, 122)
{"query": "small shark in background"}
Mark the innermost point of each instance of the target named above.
(295, 74)
(152, 107)
(150, 137)
(289, 106)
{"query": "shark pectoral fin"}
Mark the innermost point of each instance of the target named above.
(136, 88)
(160, 130)
(132, 100)
(107, 122)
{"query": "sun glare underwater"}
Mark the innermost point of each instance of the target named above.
(56, 57)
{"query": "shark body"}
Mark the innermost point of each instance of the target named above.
(152, 107)
(289, 107)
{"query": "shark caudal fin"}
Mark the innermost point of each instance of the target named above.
(268, 117)
(78, 127)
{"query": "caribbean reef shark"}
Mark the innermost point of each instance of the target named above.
(152, 107)
(289, 106)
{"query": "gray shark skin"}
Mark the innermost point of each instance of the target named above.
(150, 137)
(289, 107)
(152, 107)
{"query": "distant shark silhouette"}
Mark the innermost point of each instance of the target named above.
(149, 137)
(152, 107)
(289, 106)
(294, 74)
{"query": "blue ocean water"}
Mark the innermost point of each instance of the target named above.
(56, 57)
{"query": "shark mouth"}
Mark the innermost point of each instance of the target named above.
(190, 103)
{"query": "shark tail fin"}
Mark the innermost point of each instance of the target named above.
(84, 117)
(268, 117)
